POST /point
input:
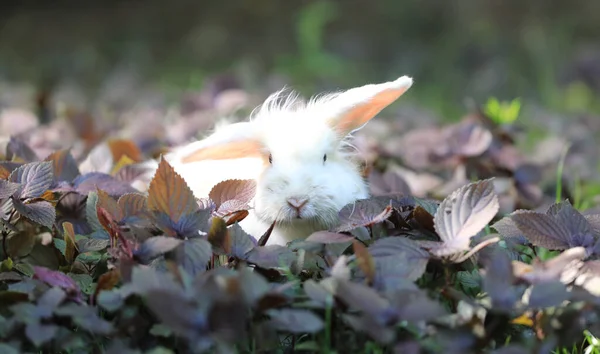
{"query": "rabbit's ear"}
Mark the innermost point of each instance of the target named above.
(234, 141)
(354, 108)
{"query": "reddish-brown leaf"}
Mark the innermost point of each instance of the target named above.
(107, 281)
(4, 173)
(132, 204)
(123, 147)
(107, 202)
(233, 189)
(71, 245)
(65, 166)
(423, 217)
(218, 235)
(364, 260)
(168, 193)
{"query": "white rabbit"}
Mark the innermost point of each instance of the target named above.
(298, 152)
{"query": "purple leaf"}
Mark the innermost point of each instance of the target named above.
(187, 225)
(86, 318)
(41, 212)
(272, 256)
(397, 257)
(541, 229)
(507, 228)
(499, 279)
(7, 188)
(413, 305)
(296, 320)
(39, 333)
(35, 178)
(176, 312)
(19, 148)
(58, 279)
(156, 246)
(193, 255)
(64, 166)
(463, 214)
(241, 242)
(364, 212)
(548, 294)
(89, 182)
(387, 184)
(571, 217)
(327, 237)
(362, 298)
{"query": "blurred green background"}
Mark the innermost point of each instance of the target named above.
(545, 51)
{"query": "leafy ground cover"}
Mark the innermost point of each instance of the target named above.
(468, 244)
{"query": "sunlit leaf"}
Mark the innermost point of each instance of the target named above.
(40, 212)
(132, 204)
(7, 188)
(563, 267)
(169, 193)
(99, 160)
(35, 178)
(541, 229)
(123, 161)
(234, 189)
(123, 147)
(90, 182)
(364, 212)
(463, 214)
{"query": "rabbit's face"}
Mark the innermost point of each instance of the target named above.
(308, 177)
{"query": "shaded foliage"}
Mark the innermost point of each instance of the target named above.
(89, 261)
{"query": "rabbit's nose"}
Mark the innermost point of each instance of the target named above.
(297, 202)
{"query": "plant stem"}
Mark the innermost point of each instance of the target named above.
(5, 236)
(559, 173)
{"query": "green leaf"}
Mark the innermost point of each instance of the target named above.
(85, 282)
(90, 211)
(469, 280)
(24, 268)
(89, 257)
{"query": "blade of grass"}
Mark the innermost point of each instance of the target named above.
(559, 172)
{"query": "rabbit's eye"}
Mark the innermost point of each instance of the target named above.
(324, 158)
(270, 158)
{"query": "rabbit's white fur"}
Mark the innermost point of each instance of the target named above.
(297, 135)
